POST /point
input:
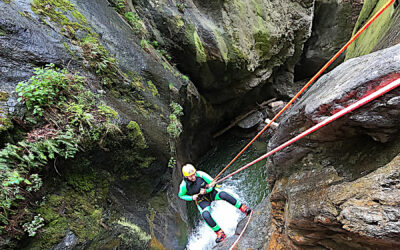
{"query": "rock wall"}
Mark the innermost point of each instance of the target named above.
(381, 34)
(332, 27)
(119, 188)
(335, 188)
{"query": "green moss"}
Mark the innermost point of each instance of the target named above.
(366, 42)
(55, 10)
(135, 134)
(222, 45)
(152, 88)
(179, 22)
(74, 209)
(200, 53)
(194, 40)
(5, 124)
(4, 96)
(263, 44)
(133, 236)
(2, 32)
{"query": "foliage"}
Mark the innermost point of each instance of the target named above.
(135, 22)
(71, 115)
(144, 44)
(34, 225)
(152, 88)
(133, 235)
(171, 162)
(120, 4)
(185, 78)
(181, 7)
(45, 88)
(174, 128)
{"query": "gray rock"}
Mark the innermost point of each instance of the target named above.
(251, 121)
(314, 208)
(69, 242)
(333, 25)
(334, 91)
(230, 48)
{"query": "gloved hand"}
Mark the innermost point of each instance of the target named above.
(203, 191)
(195, 197)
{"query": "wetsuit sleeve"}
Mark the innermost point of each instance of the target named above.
(182, 192)
(207, 178)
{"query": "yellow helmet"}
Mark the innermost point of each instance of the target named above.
(188, 170)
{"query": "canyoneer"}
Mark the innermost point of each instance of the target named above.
(194, 187)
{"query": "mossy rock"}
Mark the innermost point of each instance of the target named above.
(366, 42)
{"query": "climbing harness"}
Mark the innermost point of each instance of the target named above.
(383, 90)
(308, 84)
(241, 233)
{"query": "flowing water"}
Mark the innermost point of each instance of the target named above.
(249, 186)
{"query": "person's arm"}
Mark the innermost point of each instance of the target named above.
(182, 192)
(207, 178)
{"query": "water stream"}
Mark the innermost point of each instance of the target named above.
(249, 186)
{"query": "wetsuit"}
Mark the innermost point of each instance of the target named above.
(188, 188)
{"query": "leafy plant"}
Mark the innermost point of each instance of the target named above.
(44, 88)
(181, 7)
(144, 44)
(155, 44)
(171, 162)
(174, 128)
(120, 4)
(185, 78)
(33, 226)
(135, 22)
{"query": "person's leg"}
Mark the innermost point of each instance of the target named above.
(222, 195)
(205, 207)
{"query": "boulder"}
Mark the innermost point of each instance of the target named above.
(318, 208)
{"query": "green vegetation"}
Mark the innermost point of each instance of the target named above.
(133, 235)
(181, 7)
(64, 115)
(174, 128)
(2, 32)
(33, 226)
(171, 162)
(144, 44)
(152, 88)
(135, 22)
(46, 87)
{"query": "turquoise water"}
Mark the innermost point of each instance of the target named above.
(249, 186)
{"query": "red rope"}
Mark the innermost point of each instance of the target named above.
(310, 82)
(394, 84)
(244, 229)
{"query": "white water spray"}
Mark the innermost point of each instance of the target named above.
(227, 217)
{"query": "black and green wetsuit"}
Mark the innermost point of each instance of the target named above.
(189, 188)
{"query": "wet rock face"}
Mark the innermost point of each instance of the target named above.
(27, 42)
(332, 27)
(230, 47)
(317, 208)
(377, 121)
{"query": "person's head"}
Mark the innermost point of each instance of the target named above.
(189, 172)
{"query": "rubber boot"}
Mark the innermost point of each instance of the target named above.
(245, 209)
(220, 236)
